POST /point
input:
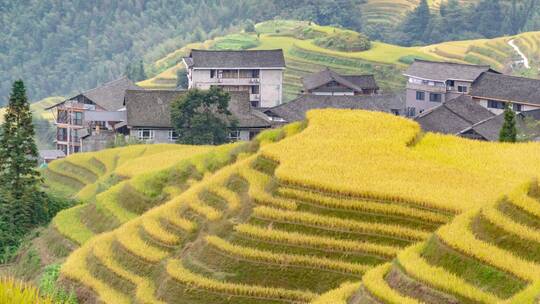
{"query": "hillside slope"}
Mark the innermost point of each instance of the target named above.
(289, 222)
(386, 61)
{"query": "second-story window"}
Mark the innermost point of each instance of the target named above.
(517, 107)
(212, 73)
(255, 73)
(451, 83)
(462, 89)
(493, 104)
(420, 95)
(61, 134)
(78, 118)
(62, 116)
(434, 97)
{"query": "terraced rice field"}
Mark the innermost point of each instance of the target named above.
(402, 217)
(118, 185)
(385, 61)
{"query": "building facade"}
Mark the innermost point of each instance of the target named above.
(496, 91)
(149, 116)
(259, 73)
(89, 112)
(328, 82)
(431, 83)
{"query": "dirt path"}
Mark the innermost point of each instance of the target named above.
(520, 53)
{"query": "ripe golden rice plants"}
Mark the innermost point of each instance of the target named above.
(364, 205)
(152, 226)
(496, 218)
(177, 271)
(285, 259)
(128, 236)
(387, 158)
(108, 202)
(257, 189)
(160, 160)
(145, 288)
(339, 223)
(416, 267)
(374, 282)
(12, 291)
(339, 295)
(232, 198)
(76, 268)
(302, 239)
(458, 235)
(68, 223)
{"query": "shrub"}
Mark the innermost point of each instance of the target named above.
(345, 41)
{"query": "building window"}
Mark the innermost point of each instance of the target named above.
(420, 95)
(517, 107)
(212, 73)
(411, 111)
(451, 83)
(61, 134)
(234, 135)
(462, 89)
(145, 134)
(173, 136)
(77, 118)
(255, 103)
(434, 97)
(255, 73)
(76, 149)
(395, 111)
(255, 89)
(62, 116)
(62, 148)
(493, 104)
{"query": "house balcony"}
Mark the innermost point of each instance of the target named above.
(427, 88)
(255, 97)
(236, 81)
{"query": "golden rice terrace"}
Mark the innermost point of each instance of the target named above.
(357, 207)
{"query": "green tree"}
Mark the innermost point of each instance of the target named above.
(202, 117)
(182, 81)
(416, 24)
(135, 71)
(250, 27)
(508, 131)
(489, 18)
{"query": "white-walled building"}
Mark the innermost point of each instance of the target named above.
(259, 72)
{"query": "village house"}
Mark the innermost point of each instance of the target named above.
(328, 82)
(431, 83)
(149, 116)
(258, 72)
(296, 109)
(96, 111)
(495, 91)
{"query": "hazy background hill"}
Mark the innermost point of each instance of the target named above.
(60, 47)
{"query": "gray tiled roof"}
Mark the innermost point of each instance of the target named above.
(356, 82)
(453, 116)
(109, 96)
(490, 128)
(296, 109)
(152, 108)
(507, 88)
(236, 59)
(442, 71)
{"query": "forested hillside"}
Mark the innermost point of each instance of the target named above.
(61, 47)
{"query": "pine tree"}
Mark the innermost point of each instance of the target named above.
(508, 131)
(18, 157)
(416, 24)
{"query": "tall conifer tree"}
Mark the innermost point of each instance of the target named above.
(18, 157)
(508, 131)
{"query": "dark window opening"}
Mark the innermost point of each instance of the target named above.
(434, 97)
(420, 95)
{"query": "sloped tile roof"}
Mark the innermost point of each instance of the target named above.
(296, 109)
(356, 82)
(443, 71)
(152, 108)
(236, 59)
(453, 116)
(507, 88)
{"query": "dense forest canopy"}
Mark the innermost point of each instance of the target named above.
(456, 21)
(60, 47)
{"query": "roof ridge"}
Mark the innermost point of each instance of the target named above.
(510, 76)
(236, 51)
(105, 84)
(451, 62)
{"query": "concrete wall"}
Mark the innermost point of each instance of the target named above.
(270, 84)
(271, 88)
(421, 105)
(484, 103)
(160, 135)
